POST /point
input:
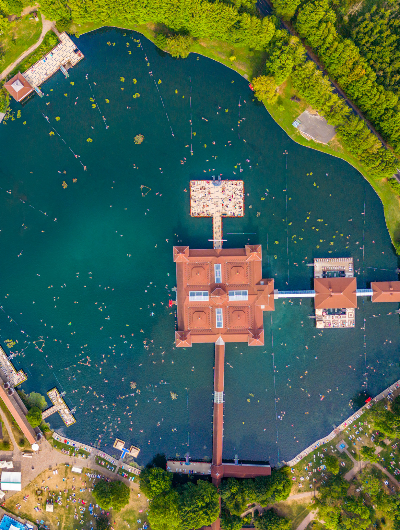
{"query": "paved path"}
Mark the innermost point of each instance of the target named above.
(47, 26)
(307, 520)
(46, 458)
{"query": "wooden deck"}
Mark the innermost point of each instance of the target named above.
(65, 54)
(15, 378)
(217, 199)
(59, 406)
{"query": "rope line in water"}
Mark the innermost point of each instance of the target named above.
(155, 84)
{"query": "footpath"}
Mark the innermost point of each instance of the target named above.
(47, 26)
(48, 458)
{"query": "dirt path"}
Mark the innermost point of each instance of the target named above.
(47, 26)
(307, 520)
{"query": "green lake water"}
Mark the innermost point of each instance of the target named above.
(87, 270)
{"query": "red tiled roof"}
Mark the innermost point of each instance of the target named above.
(335, 293)
(240, 471)
(18, 416)
(241, 270)
(18, 87)
(385, 291)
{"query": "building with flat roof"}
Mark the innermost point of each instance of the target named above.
(221, 294)
(18, 87)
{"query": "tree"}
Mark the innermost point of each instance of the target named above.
(368, 453)
(199, 505)
(155, 481)
(113, 495)
(179, 45)
(371, 485)
(230, 522)
(270, 521)
(37, 400)
(102, 523)
(332, 464)
(233, 495)
(265, 88)
(164, 511)
(34, 416)
(286, 8)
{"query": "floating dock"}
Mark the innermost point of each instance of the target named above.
(15, 378)
(59, 406)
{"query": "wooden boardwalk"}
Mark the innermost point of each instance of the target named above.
(59, 406)
(15, 378)
(65, 54)
(217, 199)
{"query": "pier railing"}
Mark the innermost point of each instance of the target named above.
(344, 424)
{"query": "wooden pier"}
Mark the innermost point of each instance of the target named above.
(15, 378)
(62, 57)
(59, 406)
(217, 199)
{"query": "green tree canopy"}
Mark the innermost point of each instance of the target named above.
(154, 481)
(164, 511)
(113, 495)
(179, 45)
(102, 523)
(34, 416)
(199, 505)
(332, 464)
(270, 521)
(368, 453)
(37, 400)
(371, 485)
(265, 88)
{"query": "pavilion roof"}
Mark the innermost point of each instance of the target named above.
(335, 293)
(385, 291)
(18, 87)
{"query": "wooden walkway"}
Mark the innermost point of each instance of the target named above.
(65, 54)
(59, 406)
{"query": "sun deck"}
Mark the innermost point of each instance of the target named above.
(65, 55)
(217, 199)
(59, 406)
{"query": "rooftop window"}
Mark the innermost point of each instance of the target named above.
(238, 295)
(217, 273)
(198, 296)
(219, 319)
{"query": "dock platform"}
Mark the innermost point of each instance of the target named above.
(217, 199)
(15, 378)
(62, 57)
(59, 406)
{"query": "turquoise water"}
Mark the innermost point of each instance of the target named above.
(88, 271)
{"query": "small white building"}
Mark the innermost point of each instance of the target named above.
(11, 481)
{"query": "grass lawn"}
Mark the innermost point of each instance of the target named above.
(64, 487)
(50, 40)
(68, 449)
(104, 463)
(5, 442)
(295, 511)
(21, 35)
(18, 435)
(250, 63)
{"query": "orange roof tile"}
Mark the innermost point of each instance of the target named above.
(335, 293)
(18, 87)
(241, 270)
(385, 291)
